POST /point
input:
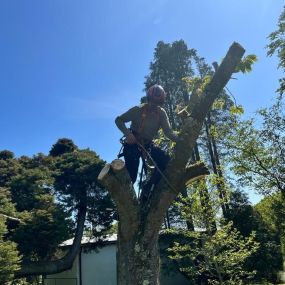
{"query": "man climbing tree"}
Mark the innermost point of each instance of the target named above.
(140, 223)
(146, 120)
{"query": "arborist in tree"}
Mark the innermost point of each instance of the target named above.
(146, 119)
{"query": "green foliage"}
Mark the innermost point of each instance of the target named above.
(257, 155)
(44, 223)
(62, 146)
(219, 104)
(76, 176)
(45, 193)
(6, 205)
(197, 84)
(48, 223)
(27, 187)
(267, 260)
(245, 66)
(172, 62)
(238, 110)
(6, 154)
(257, 159)
(220, 258)
(272, 211)
(9, 167)
(9, 256)
(277, 46)
(163, 142)
(202, 203)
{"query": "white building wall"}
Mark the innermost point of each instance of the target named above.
(99, 267)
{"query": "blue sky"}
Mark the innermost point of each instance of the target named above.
(68, 68)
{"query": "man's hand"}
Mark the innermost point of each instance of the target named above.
(130, 139)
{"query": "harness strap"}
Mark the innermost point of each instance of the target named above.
(158, 169)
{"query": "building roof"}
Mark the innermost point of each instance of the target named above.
(88, 240)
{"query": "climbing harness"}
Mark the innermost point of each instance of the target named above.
(158, 169)
(144, 164)
(146, 156)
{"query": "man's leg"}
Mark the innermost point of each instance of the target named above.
(132, 154)
(161, 158)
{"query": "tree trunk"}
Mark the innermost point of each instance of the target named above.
(138, 253)
(140, 222)
(213, 152)
(138, 260)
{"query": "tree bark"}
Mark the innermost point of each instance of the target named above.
(66, 262)
(139, 223)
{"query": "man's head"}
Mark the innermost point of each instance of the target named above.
(156, 94)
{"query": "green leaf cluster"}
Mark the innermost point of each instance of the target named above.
(245, 66)
(277, 46)
(219, 258)
(9, 256)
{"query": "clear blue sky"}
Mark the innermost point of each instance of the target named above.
(68, 68)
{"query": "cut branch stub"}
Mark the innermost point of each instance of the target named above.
(195, 171)
(117, 165)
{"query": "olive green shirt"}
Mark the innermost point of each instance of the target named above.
(145, 121)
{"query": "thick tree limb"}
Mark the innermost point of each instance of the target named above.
(198, 108)
(56, 266)
(116, 179)
(9, 218)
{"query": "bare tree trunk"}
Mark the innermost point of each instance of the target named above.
(189, 221)
(140, 223)
(212, 147)
(138, 260)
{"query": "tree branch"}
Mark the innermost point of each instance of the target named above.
(10, 219)
(116, 179)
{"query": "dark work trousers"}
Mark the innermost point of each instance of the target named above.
(132, 154)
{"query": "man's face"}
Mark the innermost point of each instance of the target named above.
(158, 99)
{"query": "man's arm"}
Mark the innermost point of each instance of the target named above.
(165, 125)
(125, 118)
(121, 124)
